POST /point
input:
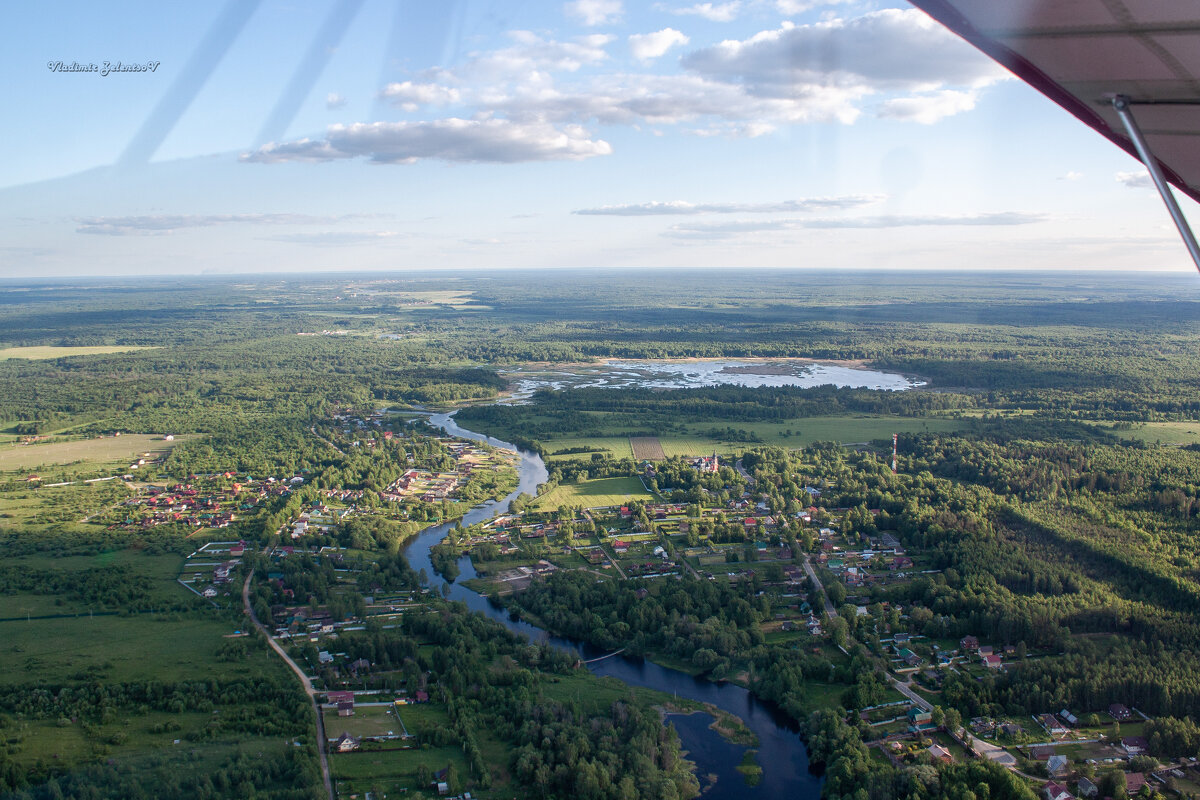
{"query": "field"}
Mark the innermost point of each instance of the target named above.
(647, 448)
(1177, 433)
(44, 352)
(733, 437)
(615, 446)
(366, 721)
(121, 648)
(594, 493)
(108, 449)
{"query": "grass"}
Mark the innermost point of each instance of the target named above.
(1173, 433)
(367, 721)
(593, 493)
(391, 770)
(614, 446)
(142, 647)
(47, 351)
(703, 438)
(108, 449)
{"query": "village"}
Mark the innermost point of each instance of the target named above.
(1064, 753)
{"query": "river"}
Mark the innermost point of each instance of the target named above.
(781, 751)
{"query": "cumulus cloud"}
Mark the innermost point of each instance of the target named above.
(1071, 176)
(158, 224)
(333, 101)
(411, 96)
(725, 230)
(1135, 180)
(929, 108)
(790, 8)
(713, 12)
(631, 99)
(681, 207)
(648, 46)
(459, 140)
(898, 50)
(594, 12)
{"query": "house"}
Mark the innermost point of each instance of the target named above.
(919, 716)
(1134, 781)
(940, 754)
(1087, 788)
(620, 547)
(1051, 724)
(346, 743)
(992, 661)
(1058, 766)
(1056, 791)
(422, 697)
(968, 643)
(325, 657)
(1068, 717)
(1119, 712)
(345, 708)
(1134, 745)
(339, 697)
(985, 650)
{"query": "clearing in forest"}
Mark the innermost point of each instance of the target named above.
(48, 351)
(99, 450)
(647, 448)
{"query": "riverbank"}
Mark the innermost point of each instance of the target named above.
(780, 747)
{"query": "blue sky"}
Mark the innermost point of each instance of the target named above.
(284, 135)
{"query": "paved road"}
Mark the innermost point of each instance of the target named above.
(304, 679)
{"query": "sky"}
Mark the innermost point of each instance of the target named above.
(318, 135)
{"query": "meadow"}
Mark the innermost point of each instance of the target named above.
(594, 493)
(43, 352)
(97, 450)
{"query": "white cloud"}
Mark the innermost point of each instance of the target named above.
(648, 46)
(631, 99)
(333, 100)
(1135, 180)
(336, 238)
(790, 8)
(460, 140)
(530, 57)
(411, 96)
(889, 50)
(594, 12)
(725, 230)
(1071, 176)
(681, 207)
(159, 224)
(713, 12)
(929, 108)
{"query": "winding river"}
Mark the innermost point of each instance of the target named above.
(781, 752)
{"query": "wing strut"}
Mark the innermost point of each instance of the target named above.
(1122, 104)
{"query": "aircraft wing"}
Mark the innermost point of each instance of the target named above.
(1082, 53)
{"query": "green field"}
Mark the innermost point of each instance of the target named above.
(593, 493)
(100, 451)
(615, 446)
(121, 648)
(704, 438)
(391, 770)
(1178, 433)
(44, 352)
(366, 721)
